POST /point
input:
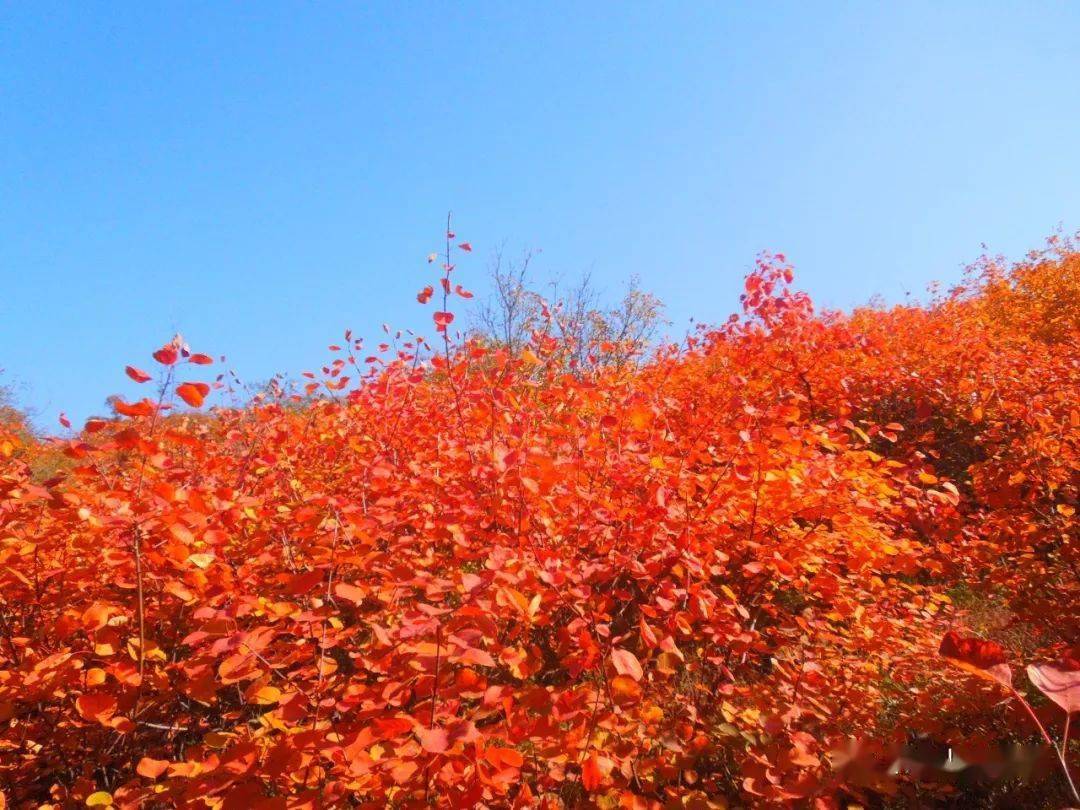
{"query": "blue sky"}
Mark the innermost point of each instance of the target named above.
(262, 176)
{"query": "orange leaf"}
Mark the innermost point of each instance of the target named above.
(351, 593)
(151, 768)
(193, 393)
(504, 756)
(265, 696)
(625, 689)
(142, 408)
(97, 706)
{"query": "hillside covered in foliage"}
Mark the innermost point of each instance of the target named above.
(454, 574)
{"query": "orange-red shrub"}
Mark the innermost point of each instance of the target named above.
(475, 578)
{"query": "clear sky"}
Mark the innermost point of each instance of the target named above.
(260, 176)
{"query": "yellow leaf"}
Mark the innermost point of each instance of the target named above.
(266, 696)
(201, 560)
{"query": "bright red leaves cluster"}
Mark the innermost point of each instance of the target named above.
(529, 580)
(982, 658)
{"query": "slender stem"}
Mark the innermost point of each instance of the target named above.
(142, 603)
(434, 706)
(435, 685)
(136, 539)
(1050, 742)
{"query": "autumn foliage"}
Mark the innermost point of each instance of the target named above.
(454, 576)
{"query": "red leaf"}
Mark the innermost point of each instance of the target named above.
(63, 420)
(595, 770)
(166, 355)
(466, 247)
(626, 663)
(987, 659)
(425, 294)
(1060, 685)
(442, 320)
(193, 393)
(462, 292)
(302, 583)
(137, 374)
(433, 739)
(201, 359)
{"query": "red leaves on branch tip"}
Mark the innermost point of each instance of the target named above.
(986, 659)
(425, 294)
(167, 355)
(137, 374)
(193, 393)
(442, 320)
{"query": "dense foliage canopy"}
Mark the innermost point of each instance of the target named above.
(453, 574)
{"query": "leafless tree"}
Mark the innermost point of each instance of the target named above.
(591, 334)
